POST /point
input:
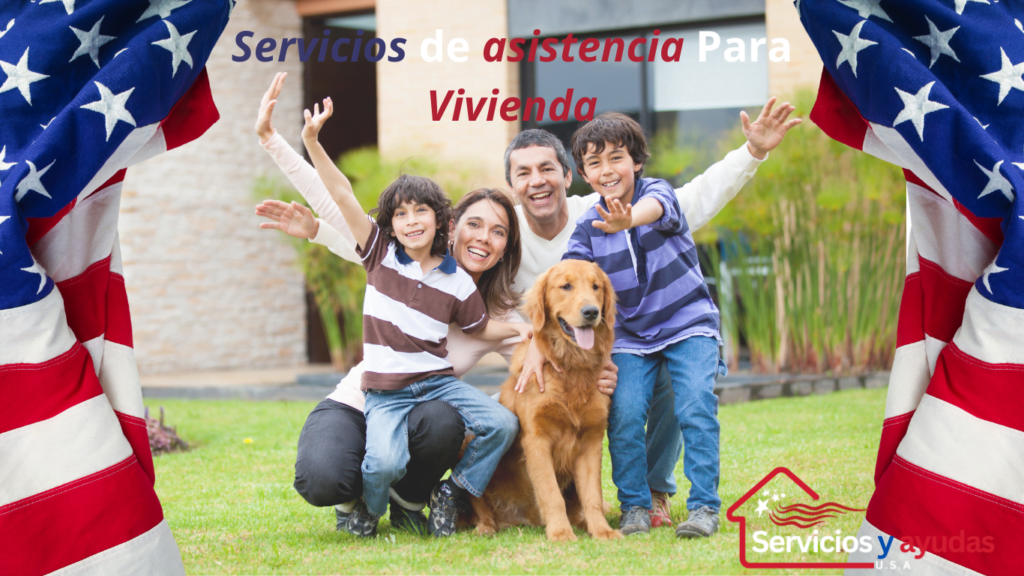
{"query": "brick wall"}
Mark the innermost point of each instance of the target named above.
(804, 67)
(404, 111)
(207, 288)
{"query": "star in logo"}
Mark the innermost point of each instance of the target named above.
(1008, 77)
(992, 268)
(31, 182)
(112, 107)
(762, 506)
(177, 45)
(852, 44)
(867, 8)
(960, 4)
(9, 26)
(916, 106)
(775, 497)
(69, 5)
(20, 77)
(35, 268)
(90, 42)
(996, 182)
(161, 8)
(938, 41)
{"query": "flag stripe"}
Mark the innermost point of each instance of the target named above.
(83, 237)
(897, 559)
(893, 431)
(945, 237)
(36, 332)
(37, 392)
(908, 379)
(970, 384)
(138, 556)
(910, 325)
(944, 299)
(96, 302)
(991, 331)
(119, 377)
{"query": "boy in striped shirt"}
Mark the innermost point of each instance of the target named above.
(414, 290)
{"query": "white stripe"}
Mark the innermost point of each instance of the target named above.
(927, 565)
(991, 332)
(460, 284)
(411, 322)
(95, 349)
(82, 440)
(385, 360)
(933, 347)
(908, 379)
(116, 266)
(951, 442)
(913, 257)
(118, 374)
(893, 148)
(36, 332)
(154, 553)
(946, 237)
(84, 236)
(141, 144)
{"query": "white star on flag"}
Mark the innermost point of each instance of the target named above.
(938, 41)
(178, 47)
(851, 45)
(2, 220)
(1017, 164)
(90, 42)
(996, 181)
(1009, 76)
(992, 268)
(9, 26)
(762, 506)
(112, 107)
(867, 8)
(31, 182)
(915, 106)
(69, 5)
(35, 268)
(960, 4)
(161, 8)
(3, 155)
(20, 77)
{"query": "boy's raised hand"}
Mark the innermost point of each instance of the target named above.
(615, 219)
(264, 127)
(315, 120)
(765, 133)
(293, 219)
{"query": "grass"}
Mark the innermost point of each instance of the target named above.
(232, 508)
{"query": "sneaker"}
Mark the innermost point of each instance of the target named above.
(702, 523)
(342, 519)
(661, 511)
(408, 520)
(444, 508)
(361, 523)
(635, 520)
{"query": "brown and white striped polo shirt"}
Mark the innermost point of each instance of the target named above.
(406, 314)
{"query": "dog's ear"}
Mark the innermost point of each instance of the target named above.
(536, 308)
(608, 307)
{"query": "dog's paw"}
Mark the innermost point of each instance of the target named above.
(563, 534)
(486, 530)
(607, 534)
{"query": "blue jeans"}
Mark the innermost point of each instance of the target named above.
(692, 364)
(664, 441)
(387, 437)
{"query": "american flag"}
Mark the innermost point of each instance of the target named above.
(936, 87)
(88, 89)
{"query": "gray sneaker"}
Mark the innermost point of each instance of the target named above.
(702, 523)
(635, 520)
(361, 522)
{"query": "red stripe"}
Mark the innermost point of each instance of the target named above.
(945, 297)
(192, 115)
(135, 431)
(35, 392)
(893, 431)
(990, 227)
(991, 392)
(72, 522)
(910, 501)
(836, 115)
(96, 303)
(38, 227)
(910, 326)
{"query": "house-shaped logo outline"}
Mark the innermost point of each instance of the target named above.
(742, 521)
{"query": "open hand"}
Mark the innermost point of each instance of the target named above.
(533, 365)
(264, 127)
(615, 219)
(293, 219)
(608, 379)
(315, 120)
(765, 133)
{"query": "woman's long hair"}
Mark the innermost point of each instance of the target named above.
(495, 284)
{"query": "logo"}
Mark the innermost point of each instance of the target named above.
(784, 527)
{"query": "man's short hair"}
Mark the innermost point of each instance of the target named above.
(614, 128)
(536, 137)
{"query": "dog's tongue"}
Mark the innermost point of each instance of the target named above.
(584, 337)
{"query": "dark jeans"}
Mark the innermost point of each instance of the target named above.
(333, 442)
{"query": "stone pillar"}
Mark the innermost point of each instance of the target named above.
(804, 67)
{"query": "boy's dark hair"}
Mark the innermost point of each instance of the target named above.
(613, 127)
(418, 190)
(535, 137)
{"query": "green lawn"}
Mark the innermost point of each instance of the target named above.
(232, 509)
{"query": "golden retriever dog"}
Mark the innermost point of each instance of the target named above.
(551, 475)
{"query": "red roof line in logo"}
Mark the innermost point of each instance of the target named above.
(742, 520)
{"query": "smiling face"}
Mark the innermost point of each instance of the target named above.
(538, 181)
(414, 226)
(610, 172)
(480, 237)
